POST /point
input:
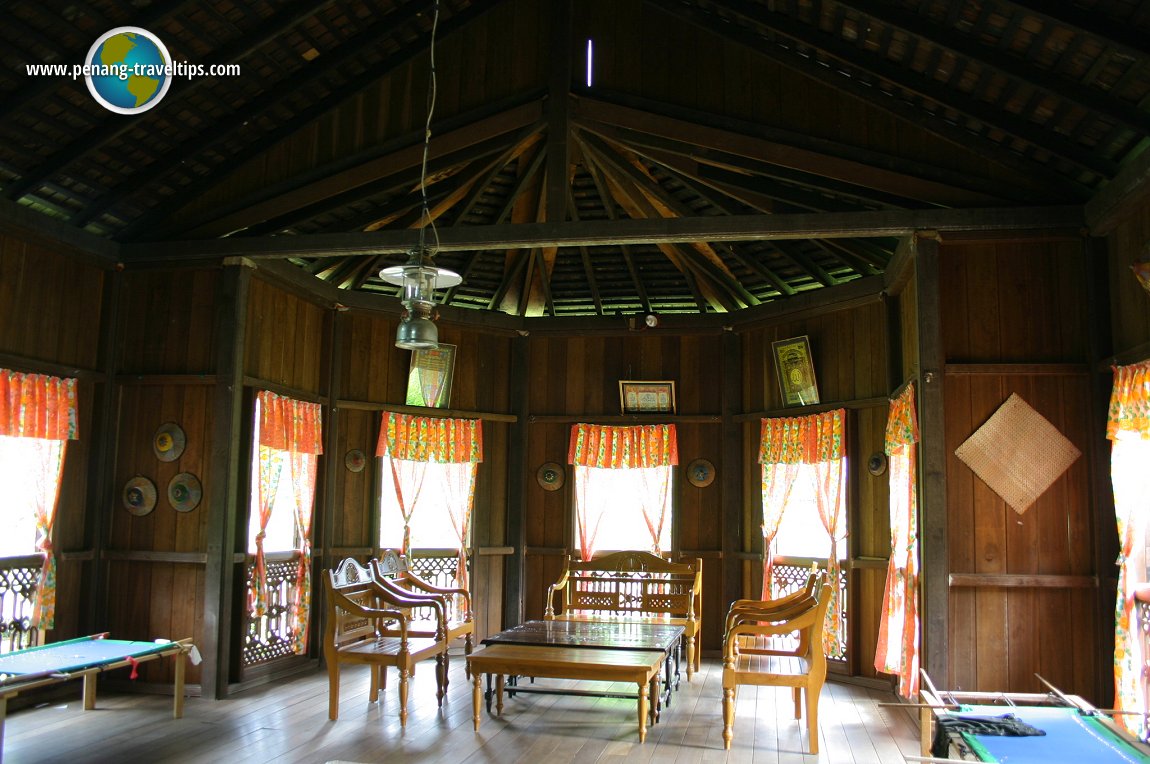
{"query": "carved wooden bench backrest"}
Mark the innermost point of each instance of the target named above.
(633, 582)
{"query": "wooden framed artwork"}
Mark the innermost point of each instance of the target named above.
(796, 372)
(647, 397)
(429, 381)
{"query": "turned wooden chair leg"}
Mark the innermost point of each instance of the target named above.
(404, 673)
(728, 716)
(467, 645)
(440, 677)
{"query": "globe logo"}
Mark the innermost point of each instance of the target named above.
(128, 70)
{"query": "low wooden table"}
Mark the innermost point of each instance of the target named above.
(638, 666)
(606, 635)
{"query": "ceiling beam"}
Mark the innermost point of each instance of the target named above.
(881, 223)
(878, 66)
(1125, 39)
(253, 111)
(114, 126)
(847, 164)
(910, 113)
(1087, 99)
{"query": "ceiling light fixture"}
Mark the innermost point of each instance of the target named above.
(419, 277)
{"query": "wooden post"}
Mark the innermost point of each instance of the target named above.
(223, 499)
(935, 565)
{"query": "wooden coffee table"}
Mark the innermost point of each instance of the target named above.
(640, 667)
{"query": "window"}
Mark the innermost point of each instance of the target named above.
(428, 470)
(623, 487)
(287, 437)
(41, 411)
(803, 467)
(433, 525)
(1128, 429)
(19, 458)
(623, 509)
(801, 532)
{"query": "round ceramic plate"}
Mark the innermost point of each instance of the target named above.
(701, 473)
(550, 476)
(168, 442)
(876, 464)
(185, 492)
(354, 460)
(140, 496)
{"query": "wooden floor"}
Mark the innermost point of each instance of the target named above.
(287, 722)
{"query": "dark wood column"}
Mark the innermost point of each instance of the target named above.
(935, 564)
(223, 497)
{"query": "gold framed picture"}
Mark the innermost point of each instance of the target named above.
(647, 397)
(429, 381)
(796, 372)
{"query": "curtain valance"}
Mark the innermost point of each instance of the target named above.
(802, 439)
(430, 439)
(290, 425)
(653, 445)
(1130, 401)
(37, 406)
(902, 422)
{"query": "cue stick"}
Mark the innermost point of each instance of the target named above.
(908, 757)
(1061, 696)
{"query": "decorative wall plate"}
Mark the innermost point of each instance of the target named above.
(551, 476)
(701, 473)
(168, 442)
(354, 460)
(139, 496)
(876, 464)
(185, 492)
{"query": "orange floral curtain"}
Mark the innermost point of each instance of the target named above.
(653, 445)
(1128, 428)
(430, 439)
(290, 435)
(42, 407)
(898, 636)
(412, 442)
(816, 440)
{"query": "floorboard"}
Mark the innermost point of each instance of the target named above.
(287, 722)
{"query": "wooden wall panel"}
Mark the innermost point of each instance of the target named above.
(156, 600)
(50, 304)
(143, 408)
(1129, 303)
(1022, 302)
(167, 321)
(285, 338)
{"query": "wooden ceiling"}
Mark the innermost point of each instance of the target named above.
(724, 154)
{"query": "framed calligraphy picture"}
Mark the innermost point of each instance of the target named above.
(647, 397)
(429, 381)
(796, 372)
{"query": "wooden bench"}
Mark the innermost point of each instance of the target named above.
(632, 587)
(368, 623)
(391, 569)
(753, 654)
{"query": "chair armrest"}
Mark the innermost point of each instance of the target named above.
(559, 586)
(445, 591)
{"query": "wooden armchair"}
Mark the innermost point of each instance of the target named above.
(392, 570)
(741, 606)
(368, 623)
(752, 656)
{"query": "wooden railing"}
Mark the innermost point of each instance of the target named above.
(19, 577)
(269, 637)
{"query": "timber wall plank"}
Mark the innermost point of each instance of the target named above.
(1021, 303)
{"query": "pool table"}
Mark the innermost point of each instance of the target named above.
(84, 658)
